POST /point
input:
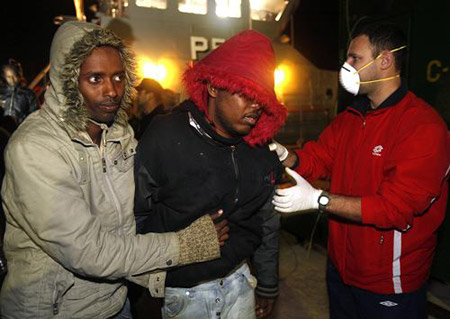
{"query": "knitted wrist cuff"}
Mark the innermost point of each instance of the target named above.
(198, 242)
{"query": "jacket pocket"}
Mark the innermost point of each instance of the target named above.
(173, 305)
(82, 175)
(125, 161)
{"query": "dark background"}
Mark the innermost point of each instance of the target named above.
(27, 30)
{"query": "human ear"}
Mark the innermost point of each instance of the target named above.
(387, 60)
(212, 91)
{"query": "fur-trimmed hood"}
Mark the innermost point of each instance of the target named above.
(72, 44)
(244, 64)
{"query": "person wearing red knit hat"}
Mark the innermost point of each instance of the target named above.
(212, 154)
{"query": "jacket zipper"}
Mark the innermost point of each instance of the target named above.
(12, 101)
(55, 308)
(363, 128)
(105, 171)
(236, 173)
(103, 149)
(361, 142)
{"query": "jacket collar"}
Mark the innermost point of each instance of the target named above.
(362, 104)
(198, 121)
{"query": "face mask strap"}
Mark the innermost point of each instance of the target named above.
(380, 80)
(366, 65)
(398, 49)
(379, 56)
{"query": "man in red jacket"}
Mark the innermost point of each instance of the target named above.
(388, 159)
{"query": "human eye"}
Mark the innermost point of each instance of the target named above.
(353, 58)
(94, 78)
(119, 77)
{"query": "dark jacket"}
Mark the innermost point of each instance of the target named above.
(185, 169)
(18, 101)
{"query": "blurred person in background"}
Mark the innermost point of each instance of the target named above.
(148, 104)
(16, 99)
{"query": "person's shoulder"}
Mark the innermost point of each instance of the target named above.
(166, 125)
(25, 90)
(3, 90)
(418, 112)
(37, 130)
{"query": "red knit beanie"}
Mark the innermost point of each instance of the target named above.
(245, 63)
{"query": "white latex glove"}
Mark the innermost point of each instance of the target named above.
(281, 151)
(296, 198)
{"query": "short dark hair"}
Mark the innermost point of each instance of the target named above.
(15, 67)
(151, 86)
(384, 36)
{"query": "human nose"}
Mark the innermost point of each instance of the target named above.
(350, 61)
(110, 88)
(255, 105)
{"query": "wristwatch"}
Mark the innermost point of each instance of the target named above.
(323, 200)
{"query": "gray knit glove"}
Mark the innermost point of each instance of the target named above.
(198, 242)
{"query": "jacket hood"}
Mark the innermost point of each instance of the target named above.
(72, 44)
(243, 64)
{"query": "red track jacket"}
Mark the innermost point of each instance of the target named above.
(396, 159)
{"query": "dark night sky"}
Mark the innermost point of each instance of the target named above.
(27, 31)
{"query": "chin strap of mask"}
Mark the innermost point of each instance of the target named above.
(380, 80)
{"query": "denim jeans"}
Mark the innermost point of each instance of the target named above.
(125, 313)
(231, 297)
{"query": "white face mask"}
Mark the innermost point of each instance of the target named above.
(349, 76)
(349, 79)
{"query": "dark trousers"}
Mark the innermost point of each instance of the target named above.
(347, 302)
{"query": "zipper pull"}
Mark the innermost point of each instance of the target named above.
(55, 308)
(103, 151)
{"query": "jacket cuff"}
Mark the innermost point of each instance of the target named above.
(198, 242)
(267, 292)
(156, 284)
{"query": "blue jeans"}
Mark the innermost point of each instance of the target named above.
(125, 313)
(231, 297)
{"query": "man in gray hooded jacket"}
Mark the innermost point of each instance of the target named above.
(68, 192)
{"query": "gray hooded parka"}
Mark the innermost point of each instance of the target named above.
(69, 203)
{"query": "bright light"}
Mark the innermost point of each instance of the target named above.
(282, 79)
(164, 71)
(192, 6)
(267, 10)
(154, 71)
(228, 8)
(159, 4)
(280, 76)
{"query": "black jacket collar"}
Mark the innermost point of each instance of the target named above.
(362, 104)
